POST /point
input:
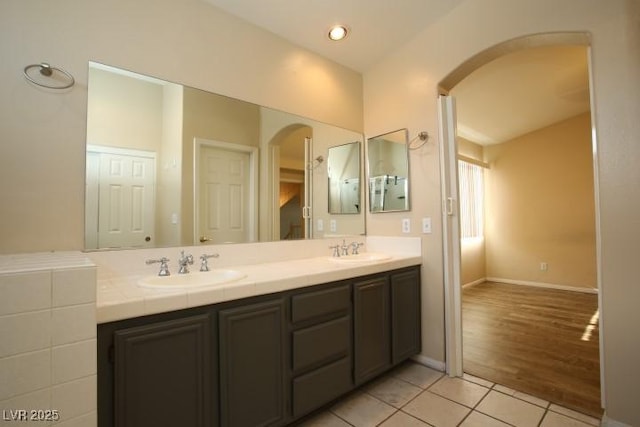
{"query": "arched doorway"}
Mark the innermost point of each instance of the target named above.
(450, 185)
(290, 183)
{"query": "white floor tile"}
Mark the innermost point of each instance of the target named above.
(573, 414)
(418, 375)
(436, 410)
(362, 410)
(552, 419)
(476, 419)
(400, 419)
(325, 419)
(531, 399)
(478, 380)
(393, 391)
(459, 390)
(511, 410)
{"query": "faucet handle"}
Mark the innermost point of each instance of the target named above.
(336, 250)
(164, 267)
(344, 247)
(203, 261)
(355, 247)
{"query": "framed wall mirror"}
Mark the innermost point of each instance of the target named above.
(170, 165)
(388, 172)
(343, 170)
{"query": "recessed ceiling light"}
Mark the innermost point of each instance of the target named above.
(338, 32)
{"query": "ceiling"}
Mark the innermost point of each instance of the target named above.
(508, 97)
(376, 26)
(522, 92)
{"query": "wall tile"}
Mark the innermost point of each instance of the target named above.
(37, 400)
(75, 398)
(26, 332)
(24, 373)
(86, 420)
(25, 292)
(72, 324)
(73, 361)
(73, 286)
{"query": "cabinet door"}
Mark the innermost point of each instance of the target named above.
(371, 328)
(163, 374)
(405, 314)
(252, 347)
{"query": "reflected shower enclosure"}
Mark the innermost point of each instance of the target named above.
(388, 166)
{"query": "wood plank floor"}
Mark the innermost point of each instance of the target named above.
(538, 341)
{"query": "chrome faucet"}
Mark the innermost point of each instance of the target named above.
(164, 267)
(345, 248)
(336, 251)
(355, 247)
(203, 261)
(183, 262)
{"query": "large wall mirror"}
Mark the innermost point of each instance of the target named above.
(388, 172)
(171, 165)
(344, 179)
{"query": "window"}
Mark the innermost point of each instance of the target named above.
(471, 184)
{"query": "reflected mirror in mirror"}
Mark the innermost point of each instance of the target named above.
(388, 172)
(343, 165)
(170, 165)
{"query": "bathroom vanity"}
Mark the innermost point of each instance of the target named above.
(264, 359)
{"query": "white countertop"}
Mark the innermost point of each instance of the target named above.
(121, 298)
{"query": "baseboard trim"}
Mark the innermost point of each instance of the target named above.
(429, 362)
(475, 282)
(543, 285)
(608, 422)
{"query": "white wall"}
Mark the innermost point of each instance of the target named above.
(42, 158)
(401, 91)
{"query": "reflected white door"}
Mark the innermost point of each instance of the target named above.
(126, 200)
(224, 195)
(451, 234)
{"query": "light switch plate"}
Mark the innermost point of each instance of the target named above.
(320, 226)
(426, 225)
(333, 225)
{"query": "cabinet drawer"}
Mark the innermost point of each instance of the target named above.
(321, 343)
(312, 390)
(320, 303)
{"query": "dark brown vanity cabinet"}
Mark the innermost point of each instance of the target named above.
(372, 323)
(386, 321)
(405, 314)
(252, 364)
(260, 361)
(321, 344)
(161, 374)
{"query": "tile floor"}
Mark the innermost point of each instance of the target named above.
(414, 395)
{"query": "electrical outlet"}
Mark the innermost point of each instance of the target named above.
(544, 266)
(426, 225)
(406, 225)
(333, 225)
(320, 226)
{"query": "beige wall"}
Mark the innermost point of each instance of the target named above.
(540, 206)
(43, 132)
(125, 112)
(408, 80)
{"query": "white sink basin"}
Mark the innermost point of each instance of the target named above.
(192, 280)
(361, 258)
